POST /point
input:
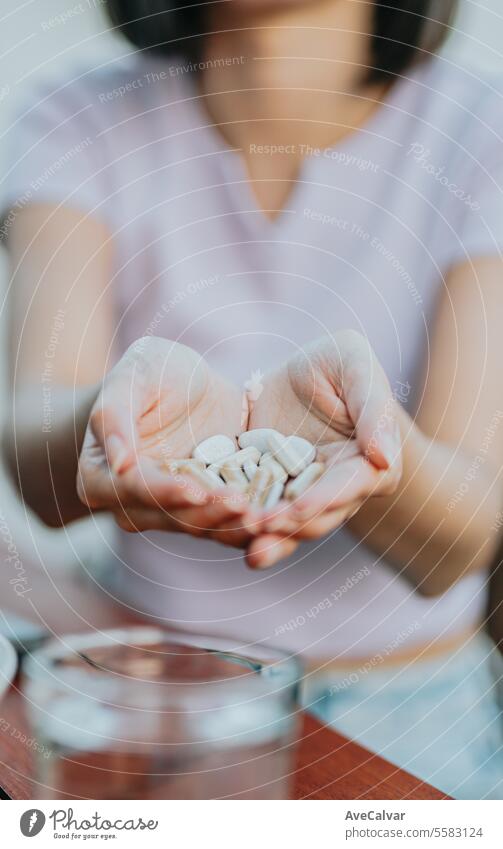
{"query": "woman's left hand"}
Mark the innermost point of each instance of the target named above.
(335, 394)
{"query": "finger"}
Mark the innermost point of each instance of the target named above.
(141, 486)
(135, 520)
(147, 485)
(97, 487)
(370, 403)
(278, 521)
(197, 522)
(311, 528)
(282, 519)
(339, 487)
(233, 533)
(338, 451)
(211, 517)
(112, 423)
(268, 550)
(139, 520)
(237, 527)
(326, 522)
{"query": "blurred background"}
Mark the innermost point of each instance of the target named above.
(40, 36)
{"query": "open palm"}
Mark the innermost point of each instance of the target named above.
(334, 393)
(157, 403)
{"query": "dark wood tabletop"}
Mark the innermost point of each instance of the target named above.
(328, 765)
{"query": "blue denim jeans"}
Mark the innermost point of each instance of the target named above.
(439, 719)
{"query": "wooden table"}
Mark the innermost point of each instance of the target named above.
(329, 766)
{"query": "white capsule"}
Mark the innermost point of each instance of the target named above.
(241, 457)
(234, 476)
(258, 438)
(286, 453)
(201, 477)
(304, 481)
(175, 467)
(303, 447)
(214, 449)
(249, 468)
(274, 495)
(214, 476)
(278, 473)
(258, 489)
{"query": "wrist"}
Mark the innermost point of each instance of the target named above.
(415, 443)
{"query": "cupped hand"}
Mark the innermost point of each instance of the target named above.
(334, 393)
(159, 401)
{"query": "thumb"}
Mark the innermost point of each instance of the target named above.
(112, 423)
(372, 408)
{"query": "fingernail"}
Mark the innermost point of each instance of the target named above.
(116, 452)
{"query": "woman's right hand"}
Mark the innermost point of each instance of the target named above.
(159, 401)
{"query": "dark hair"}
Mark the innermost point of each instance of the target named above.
(404, 30)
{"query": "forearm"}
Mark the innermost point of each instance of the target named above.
(42, 442)
(439, 525)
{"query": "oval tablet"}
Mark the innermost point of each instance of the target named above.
(241, 457)
(307, 478)
(274, 495)
(214, 449)
(258, 438)
(276, 468)
(286, 452)
(258, 489)
(303, 447)
(234, 476)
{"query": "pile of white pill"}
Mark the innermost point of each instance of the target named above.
(265, 465)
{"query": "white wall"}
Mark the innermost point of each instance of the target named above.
(34, 40)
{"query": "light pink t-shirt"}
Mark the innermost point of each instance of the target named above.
(364, 241)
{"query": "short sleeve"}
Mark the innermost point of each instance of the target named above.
(53, 153)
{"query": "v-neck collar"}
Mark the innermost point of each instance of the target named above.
(242, 198)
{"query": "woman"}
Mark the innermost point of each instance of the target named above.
(269, 175)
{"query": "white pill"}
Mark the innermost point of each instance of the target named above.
(274, 494)
(201, 477)
(286, 453)
(304, 481)
(214, 476)
(249, 468)
(177, 466)
(241, 457)
(234, 476)
(303, 447)
(258, 489)
(214, 449)
(278, 473)
(258, 438)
